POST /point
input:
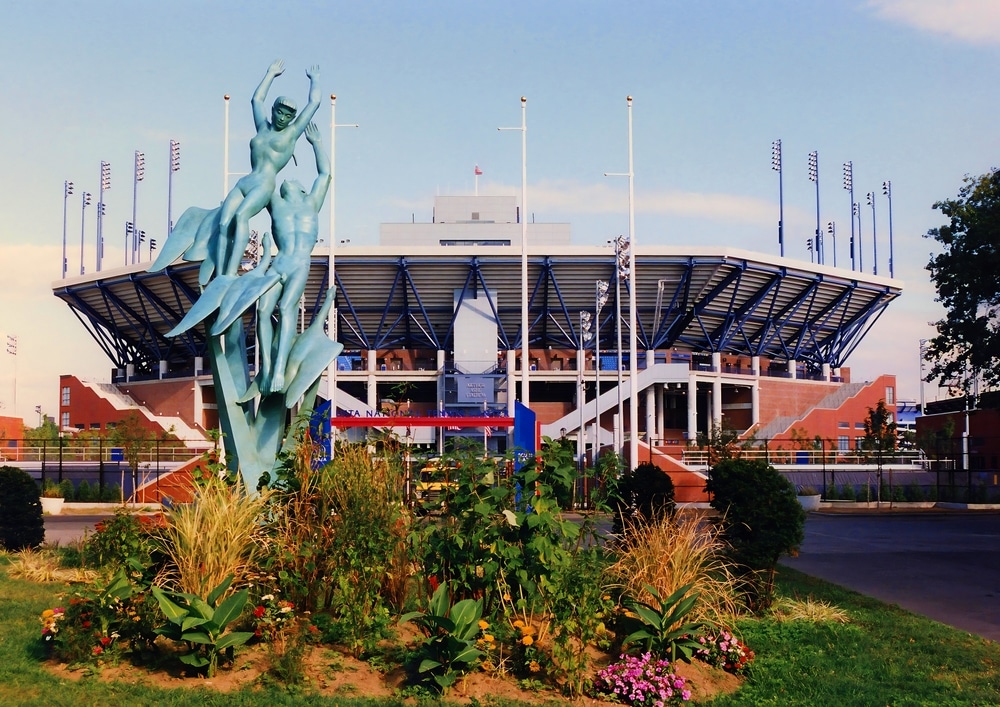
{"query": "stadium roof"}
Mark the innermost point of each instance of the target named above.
(697, 299)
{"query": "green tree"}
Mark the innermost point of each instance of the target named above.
(880, 437)
(964, 274)
(135, 439)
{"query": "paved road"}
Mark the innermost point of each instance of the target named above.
(64, 529)
(945, 566)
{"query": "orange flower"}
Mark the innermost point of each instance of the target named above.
(527, 640)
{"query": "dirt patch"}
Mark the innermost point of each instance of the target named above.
(331, 673)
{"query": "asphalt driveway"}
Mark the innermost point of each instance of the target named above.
(942, 565)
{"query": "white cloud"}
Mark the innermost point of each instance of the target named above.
(975, 21)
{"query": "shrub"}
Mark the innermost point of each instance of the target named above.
(848, 493)
(644, 495)
(112, 493)
(119, 538)
(84, 491)
(761, 520)
(21, 523)
(915, 492)
(67, 490)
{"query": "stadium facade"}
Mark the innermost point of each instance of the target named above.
(431, 321)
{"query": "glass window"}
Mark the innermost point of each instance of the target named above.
(64, 420)
(65, 396)
(844, 425)
(890, 395)
(843, 443)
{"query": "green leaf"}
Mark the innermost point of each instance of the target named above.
(427, 664)
(230, 609)
(236, 638)
(171, 610)
(197, 637)
(213, 597)
(194, 659)
(190, 622)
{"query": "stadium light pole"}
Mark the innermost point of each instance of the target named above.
(601, 299)
(633, 364)
(105, 186)
(67, 191)
(831, 228)
(586, 334)
(776, 166)
(525, 339)
(138, 174)
(849, 187)
(871, 203)
(887, 190)
(856, 206)
(85, 202)
(814, 177)
(175, 164)
(331, 322)
(621, 264)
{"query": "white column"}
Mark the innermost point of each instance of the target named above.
(650, 401)
(791, 369)
(826, 372)
(372, 386)
(660, 415)
(755, 402)
(717, 362)
(755, 365)
(717, 403)
(511, 381)
(163, 369)
(692, 408)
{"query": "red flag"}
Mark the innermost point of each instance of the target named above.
(479, 172)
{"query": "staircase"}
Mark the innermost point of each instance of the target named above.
(192, 437)
(834, 400)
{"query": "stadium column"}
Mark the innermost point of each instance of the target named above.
(692, 406)
(717, 391)
(372, 385)
(826, 372)
(659, 411)
(791, 368)
(651, 402)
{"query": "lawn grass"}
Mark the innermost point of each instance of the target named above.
(882, 656)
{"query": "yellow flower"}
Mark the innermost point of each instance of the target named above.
(47, 613)
(534, 667)
(527, 640)
(526, 630)
(483, 625)
(518, 623)
(506, 597)
(488, 638)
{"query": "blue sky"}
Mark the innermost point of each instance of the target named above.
(905, 89)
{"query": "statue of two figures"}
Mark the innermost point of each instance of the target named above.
(252, 413)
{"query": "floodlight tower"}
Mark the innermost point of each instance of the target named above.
(849, 187)
(871, 203)
(85, 202)
(67, 191)
(105, 186)
(175, 165)
(138, 174)
(887, 190)
(776, 166)
(814, 177)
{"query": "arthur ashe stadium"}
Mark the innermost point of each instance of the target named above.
(433, 326)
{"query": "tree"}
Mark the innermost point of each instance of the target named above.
(965, 276)
(135, 439)
(880, 437)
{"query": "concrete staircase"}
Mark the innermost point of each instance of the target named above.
(834, 400)
(192, 437)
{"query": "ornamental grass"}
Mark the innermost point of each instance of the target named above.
(212, 538)
(671, 552)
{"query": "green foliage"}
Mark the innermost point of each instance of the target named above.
(67, 490)
(645, 495)
(84, 491)
(494, 531)
(21, 523)
(665, 632)
(203, 624)
(578, 601)
(761, 520)
(112, 493)
(721, 442)
(880, 431)
(101, 623)
(964, 274)
(559, 470)
(449, 649)
(117, 539)
(607, 471)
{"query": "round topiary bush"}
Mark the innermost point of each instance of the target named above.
(21, 524)
(761, 520)
(644, 494)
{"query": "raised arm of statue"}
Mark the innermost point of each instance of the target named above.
(322, 183)
(303, 119)
(277, 68)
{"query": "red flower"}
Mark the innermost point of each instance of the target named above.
(259, 612)
(86, 624)
(105, 640)
(98, 650)
(433, 581)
